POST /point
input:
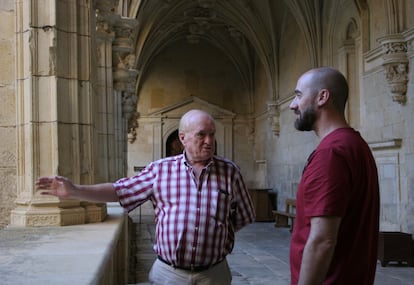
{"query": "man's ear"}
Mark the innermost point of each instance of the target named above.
(181, 137)
(323, 97)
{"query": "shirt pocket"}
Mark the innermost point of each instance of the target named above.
(221, 201)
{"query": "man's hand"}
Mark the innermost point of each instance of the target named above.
(55, 185)
(63, 188)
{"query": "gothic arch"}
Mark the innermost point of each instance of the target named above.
(349, 55)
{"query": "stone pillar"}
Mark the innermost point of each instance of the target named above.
(104, 99)
(54, 109)
(115, 94)
(8, 151)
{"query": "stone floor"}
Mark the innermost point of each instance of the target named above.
(260, 257)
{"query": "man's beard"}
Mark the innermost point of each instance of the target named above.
(306, 119)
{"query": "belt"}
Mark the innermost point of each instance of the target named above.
(188, 268)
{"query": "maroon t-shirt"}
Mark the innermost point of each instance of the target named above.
(340, 179)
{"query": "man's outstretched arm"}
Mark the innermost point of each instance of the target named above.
(63, 188)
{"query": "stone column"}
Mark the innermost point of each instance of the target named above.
(54, 108)
(125, 80)
(116, 107)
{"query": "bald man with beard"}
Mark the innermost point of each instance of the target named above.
(335, 236)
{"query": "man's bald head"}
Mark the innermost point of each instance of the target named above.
(333, 80)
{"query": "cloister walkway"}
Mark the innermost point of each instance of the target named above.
(260, 257)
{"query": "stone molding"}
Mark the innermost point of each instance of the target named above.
(47, 216)
(386, 144)
(41, 216)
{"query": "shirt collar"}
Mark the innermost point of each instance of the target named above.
(187, 163)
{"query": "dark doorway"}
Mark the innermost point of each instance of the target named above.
(174, 145)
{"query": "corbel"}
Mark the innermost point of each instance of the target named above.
(396, 65)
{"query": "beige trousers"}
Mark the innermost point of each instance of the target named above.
(163, 274)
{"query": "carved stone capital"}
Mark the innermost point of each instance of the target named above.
(396, 66)
(124, 34)
(104, 31)
(273, 113)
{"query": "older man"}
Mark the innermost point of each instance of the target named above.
(200, 201)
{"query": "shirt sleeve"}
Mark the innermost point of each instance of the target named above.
(134, 191)
(327, 179)
(242, 210)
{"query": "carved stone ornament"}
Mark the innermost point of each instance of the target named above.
(396, 66)
(130, 114)
(132, 127)
(125, 71)
(397, 78)
(273, 116)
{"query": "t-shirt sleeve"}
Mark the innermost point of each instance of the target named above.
(327, 188)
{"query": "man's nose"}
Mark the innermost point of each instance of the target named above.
(293, 105)
(209, 139)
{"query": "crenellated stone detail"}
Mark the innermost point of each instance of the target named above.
(396, 66)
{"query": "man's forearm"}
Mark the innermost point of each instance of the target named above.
(319, 250)
(103, 192)
(315, 262)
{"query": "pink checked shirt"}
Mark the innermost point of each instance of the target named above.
(195, 220)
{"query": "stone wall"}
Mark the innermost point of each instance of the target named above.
(8, 148)
(357, 44)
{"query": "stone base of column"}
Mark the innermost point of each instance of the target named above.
(33, 216)
(94, 213)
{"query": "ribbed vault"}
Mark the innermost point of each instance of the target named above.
(246, 31)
